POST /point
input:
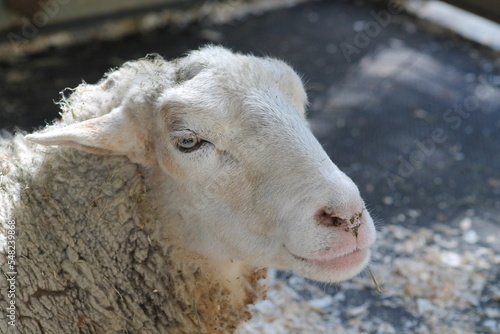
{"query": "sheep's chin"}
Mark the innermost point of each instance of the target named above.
(332, 270)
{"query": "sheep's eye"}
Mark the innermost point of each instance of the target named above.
(188, 143)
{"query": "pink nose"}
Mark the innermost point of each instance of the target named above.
(328, 217)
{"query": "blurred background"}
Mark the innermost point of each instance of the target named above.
(405, 97)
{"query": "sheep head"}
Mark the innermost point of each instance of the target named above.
(230, 153)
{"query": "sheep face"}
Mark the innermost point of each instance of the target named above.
(253, 184)
(235, 162)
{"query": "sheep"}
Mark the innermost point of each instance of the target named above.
(158, 199)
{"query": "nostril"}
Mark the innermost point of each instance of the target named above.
(336, 221)
(326, 217)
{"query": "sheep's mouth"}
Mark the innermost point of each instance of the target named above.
(337, 262)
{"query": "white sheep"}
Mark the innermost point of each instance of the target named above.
(156, 201)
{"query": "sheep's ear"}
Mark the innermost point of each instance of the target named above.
(111, 134)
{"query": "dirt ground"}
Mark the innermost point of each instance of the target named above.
(411, 113)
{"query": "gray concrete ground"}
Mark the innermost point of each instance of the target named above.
(410, 113)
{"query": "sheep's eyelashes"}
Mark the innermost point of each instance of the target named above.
(188, 144)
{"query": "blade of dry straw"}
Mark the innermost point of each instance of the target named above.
(374, 280)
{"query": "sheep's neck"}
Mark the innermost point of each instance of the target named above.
(238, 283)
(240, 280)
